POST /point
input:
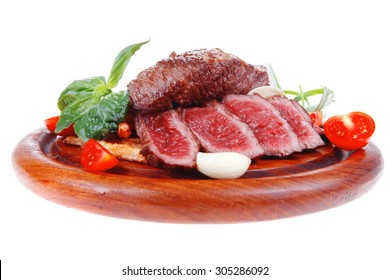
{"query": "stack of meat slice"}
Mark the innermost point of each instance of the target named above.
(271, 129)
(250, 125)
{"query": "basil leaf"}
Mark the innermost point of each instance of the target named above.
(103, 117)
(79, 88)
(91, 105)
(74, 111)
(120, 63)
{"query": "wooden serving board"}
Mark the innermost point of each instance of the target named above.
(271, 189)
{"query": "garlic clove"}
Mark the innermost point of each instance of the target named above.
(266, 92)
(224, 165)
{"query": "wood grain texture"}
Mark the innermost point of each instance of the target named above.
(271, 189)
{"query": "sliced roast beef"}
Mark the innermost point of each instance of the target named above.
(218, 130)
(168, 142)
(271, 129)
(193, 78)
(299, 120)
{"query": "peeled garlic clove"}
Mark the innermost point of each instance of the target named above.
(224, 165)
(266, 92)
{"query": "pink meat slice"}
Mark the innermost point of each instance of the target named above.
(272, 131)
(217, 130)
(299, 120)
(169, 143)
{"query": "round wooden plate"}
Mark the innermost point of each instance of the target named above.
(271, 189)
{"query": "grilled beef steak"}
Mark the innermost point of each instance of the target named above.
(168, 142)
(219, 131)
(193, 78)
(198, 101)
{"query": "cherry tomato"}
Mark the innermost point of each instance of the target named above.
(350, 132)
(51, 124)
(94, 157)
(316, 118)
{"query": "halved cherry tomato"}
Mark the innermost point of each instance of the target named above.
(94, 157)
(51, 124)
(316, 118)
(350, 132)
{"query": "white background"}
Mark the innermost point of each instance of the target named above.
(47, 44)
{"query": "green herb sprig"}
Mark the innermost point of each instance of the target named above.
(327, 95)
(91, 104)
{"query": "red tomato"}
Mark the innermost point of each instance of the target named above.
(124, 130)
(350, 132)
(51, 124)
(94, 157)
(316, 118)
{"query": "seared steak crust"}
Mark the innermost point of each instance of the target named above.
(193, 78)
